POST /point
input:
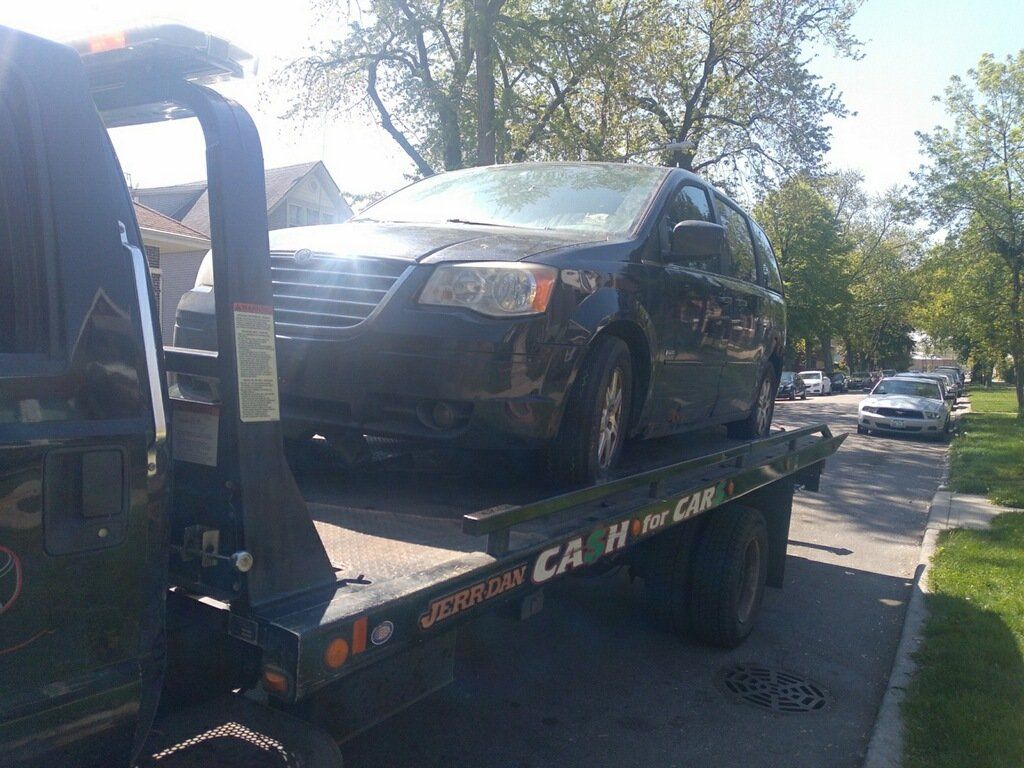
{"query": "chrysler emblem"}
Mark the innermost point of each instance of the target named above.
(303, 256)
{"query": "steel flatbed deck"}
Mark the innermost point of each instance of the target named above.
(404, 576)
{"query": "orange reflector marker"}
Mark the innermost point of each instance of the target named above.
(274, 681)
(336, 652)
(545, 284)
(108, 42)
(359, 635)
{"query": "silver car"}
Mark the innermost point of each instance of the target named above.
(905, 404)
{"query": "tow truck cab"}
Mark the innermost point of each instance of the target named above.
(85, 519)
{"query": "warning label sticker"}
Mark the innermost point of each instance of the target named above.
(194, 437)
(256, 362)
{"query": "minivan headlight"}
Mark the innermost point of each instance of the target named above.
(205, 274)
(496, 289)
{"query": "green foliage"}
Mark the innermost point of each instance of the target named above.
(972, 188)
(965, 707)
(457, 82)
(846, 261)
(802, 226)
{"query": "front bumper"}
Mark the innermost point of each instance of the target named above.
(877, 423)
(422, 373)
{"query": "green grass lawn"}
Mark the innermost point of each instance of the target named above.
(965, 708)
(988, 458)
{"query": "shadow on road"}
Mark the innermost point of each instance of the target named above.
(591, 681)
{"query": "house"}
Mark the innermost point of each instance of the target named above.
(174, 252)
(175, 224)
(297, 195)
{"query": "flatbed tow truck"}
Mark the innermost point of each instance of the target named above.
(189, 605)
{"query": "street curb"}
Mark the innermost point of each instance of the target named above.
(885, 749)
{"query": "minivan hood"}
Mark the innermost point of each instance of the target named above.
(425, 243)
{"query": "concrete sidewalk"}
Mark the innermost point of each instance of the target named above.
(947, 510)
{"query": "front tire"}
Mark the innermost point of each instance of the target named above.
(759, 422)
(593, 430)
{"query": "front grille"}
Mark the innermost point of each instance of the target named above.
(323, 296)
(900, 413)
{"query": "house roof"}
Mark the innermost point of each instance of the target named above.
(149, 218)
(279, 182)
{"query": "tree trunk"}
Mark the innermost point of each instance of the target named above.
(826, 352)
(485, 121)
(1017, 341)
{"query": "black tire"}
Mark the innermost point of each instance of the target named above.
(764, 399)
(861, 430)
(577, 455)
(730, 567)
(803, 396)
(665, 567)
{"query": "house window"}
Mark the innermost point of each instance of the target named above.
(302, 216)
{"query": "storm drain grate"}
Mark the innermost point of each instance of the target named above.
(774, 689)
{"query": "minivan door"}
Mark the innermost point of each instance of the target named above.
(741, 301)
(690, 321)
(82, 463)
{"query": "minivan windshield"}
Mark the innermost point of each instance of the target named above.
(604, 199)
(908, 387)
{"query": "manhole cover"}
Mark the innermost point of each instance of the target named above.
(774, 689)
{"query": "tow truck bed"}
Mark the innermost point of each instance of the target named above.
(411, 564)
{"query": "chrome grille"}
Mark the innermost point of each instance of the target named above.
(324, 295)
(900, 413)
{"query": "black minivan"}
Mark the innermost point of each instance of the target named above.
(562, 306)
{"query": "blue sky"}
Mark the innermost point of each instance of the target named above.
(911, 49)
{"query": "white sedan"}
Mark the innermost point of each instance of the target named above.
(904, 404)
(817, 382)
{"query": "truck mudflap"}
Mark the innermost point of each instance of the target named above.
(309, 648)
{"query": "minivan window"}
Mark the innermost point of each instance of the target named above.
(24, 302)
(770, 277)
(689, 203)
(737, 235)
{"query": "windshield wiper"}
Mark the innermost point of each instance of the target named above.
(476, 223)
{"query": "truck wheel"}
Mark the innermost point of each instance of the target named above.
(729, 571)
(593, 429)
(665, 568)
(759, 422)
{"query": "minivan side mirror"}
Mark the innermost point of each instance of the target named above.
(697, 240)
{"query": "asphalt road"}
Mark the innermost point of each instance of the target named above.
(591, 681)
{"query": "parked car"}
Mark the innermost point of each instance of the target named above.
(791, 387)
(948, 387)
(957, 374)
(817, 382)
(858, 380)
(839, 381)
(561, 306)
(905, 404)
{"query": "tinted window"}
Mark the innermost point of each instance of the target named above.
(741, 249)
(689, 203)
(770, 277)
(24, 303)
(598, 198)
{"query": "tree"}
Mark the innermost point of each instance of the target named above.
(973, 185)
(457, 82)
(812, 254)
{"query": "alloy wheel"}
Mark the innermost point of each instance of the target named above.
(610, 426)
(764, 404)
